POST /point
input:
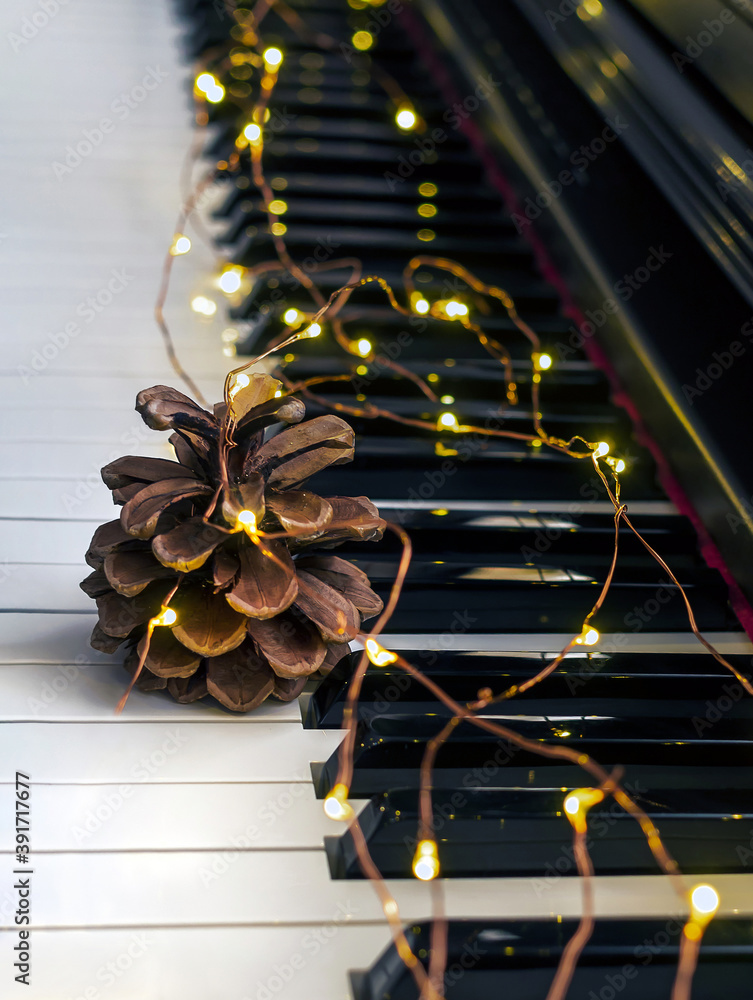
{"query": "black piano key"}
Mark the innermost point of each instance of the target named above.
(632, 959)
(655, 753)
(498, 833)
(585, 684)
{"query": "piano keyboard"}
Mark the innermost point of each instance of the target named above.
(182, 851)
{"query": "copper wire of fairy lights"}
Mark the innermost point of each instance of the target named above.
(702, 900)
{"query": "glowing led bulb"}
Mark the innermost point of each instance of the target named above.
(312, 331)
(619, 465)
(455, 308)
(230, 279)
(447, 421)
(447, 400)
(363, 347)
(421, 306)
(541, 362)
(362, 40)
(406, 119)
(215, 94)
(272, 57)
(704, 902)
(426, 860)
(181, 244)
(166, 617)
(588, 637)
(579, 802)
(246, 519)
(240, 382)
(201, 304)
(335, 804)
(378, 655)
(252, 132)
(205, 82)
(291, 316)
(602, 449)
(278, 206)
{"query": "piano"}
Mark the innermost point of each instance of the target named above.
(579, 156)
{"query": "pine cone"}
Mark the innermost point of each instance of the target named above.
(252, 621)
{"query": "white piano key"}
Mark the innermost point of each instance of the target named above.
(171, 750)
(197, 963)
(646, 507)
(232, 817)
(89, 500)
(48, 542)
(74, 462)
(48, 638)
(76, 692)
(552, 642)
(293, 886)
(43, 588)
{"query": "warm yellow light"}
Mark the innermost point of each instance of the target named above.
(427, 189)
(572, 805)
(362, 40)
(406, 119)
(619, 465)
(272, 57)
(588, 637)
(455, 308)
(378, 655)
(427, 210)
(278, 228)
(593, 7)
(240, 382)
(278, 206)
(246, 521)
(291, 316)
(363, 347)
(312, 331)
(426, 235)
(421, 306)
(578, 803)
(252, 132)
(542, 362)
(181, 245)
(362, 370)
(166, 617)
(602, 449)
(336, 805)
(201, 304)
(426, 861)
(704, 902)
(230, 279)
(215, 94)
(205, 82)
(447, 421)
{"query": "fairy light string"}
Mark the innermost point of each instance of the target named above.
(446, 310)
